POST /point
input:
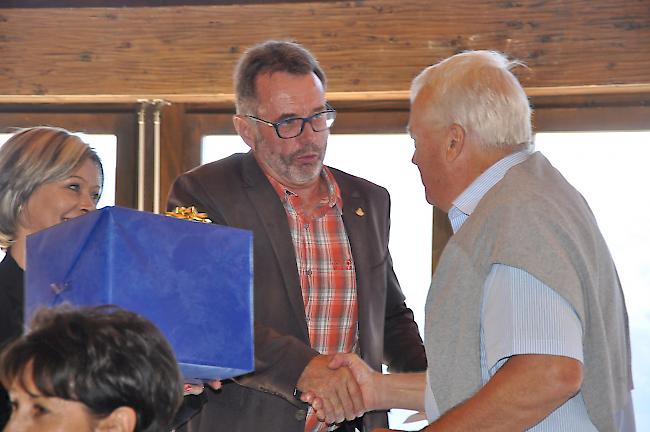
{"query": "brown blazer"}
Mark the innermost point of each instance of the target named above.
(235, 192)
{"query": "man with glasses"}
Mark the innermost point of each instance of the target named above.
(324, 281)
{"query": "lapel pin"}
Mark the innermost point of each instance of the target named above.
(360, 212)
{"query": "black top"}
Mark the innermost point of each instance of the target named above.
(11, 316)
(11, 299)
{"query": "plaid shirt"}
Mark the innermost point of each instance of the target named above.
(326, 270)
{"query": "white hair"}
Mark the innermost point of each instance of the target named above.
(477, 90)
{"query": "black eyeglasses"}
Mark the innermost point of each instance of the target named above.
(292, 127)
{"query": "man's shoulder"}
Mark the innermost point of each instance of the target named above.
(348, 181)
(8, 266)
(219, 180)
(222, 167)
(532, 188)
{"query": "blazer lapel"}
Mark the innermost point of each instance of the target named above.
(356, 223)
(271, 212)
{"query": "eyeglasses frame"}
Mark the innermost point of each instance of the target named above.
(276, 125)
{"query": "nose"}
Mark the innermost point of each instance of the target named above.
(16, 424)
(413, 159)
(87, 204)
(308, 133)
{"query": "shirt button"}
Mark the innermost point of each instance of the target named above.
(309, 272)
(301, 415)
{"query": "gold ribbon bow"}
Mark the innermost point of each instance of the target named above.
(189, 213)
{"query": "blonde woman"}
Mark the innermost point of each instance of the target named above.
(47, 176)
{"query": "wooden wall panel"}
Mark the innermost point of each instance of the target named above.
(188, 53)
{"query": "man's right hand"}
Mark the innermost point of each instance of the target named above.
(366, 377)
(337, 390)
(379, 391)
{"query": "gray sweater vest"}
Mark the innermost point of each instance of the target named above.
(533, 219)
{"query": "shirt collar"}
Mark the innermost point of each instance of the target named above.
(333, 191)
(466, 202)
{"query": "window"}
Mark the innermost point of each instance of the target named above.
(385, 160)
(119, 122)
(106, 147)
(610, 170)
(607, 167)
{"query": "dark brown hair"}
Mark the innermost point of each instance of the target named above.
(103, 357)
(268, 57)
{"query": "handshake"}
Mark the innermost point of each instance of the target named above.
(340, 387)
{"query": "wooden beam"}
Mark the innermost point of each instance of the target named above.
(370, 96)
(30, 4)
(187, 53)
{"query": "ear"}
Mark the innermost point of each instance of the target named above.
(245, 130)
(122, 419)
(455, 142)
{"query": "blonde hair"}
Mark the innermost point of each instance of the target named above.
(31, 158)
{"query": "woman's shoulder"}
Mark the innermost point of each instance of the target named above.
(11, 275)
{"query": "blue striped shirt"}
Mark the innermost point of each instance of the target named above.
(520, 314)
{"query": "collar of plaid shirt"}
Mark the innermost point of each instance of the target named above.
(333, 193)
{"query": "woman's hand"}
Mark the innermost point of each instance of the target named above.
(196, 389)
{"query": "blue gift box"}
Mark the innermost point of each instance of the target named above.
(193, 280)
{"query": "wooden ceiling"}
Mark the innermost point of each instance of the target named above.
(370, 49)
(22, 4)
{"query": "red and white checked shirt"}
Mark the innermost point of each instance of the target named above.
(327, 275)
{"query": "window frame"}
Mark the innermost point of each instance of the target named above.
(550, 114)
(119, 121)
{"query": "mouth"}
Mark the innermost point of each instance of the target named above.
(307, 158)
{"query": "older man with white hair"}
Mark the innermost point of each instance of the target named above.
(526, 326)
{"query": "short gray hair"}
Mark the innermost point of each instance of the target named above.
(31, 158)
(268, 57)
(478, 91)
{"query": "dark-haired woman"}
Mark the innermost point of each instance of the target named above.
(91, 370)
